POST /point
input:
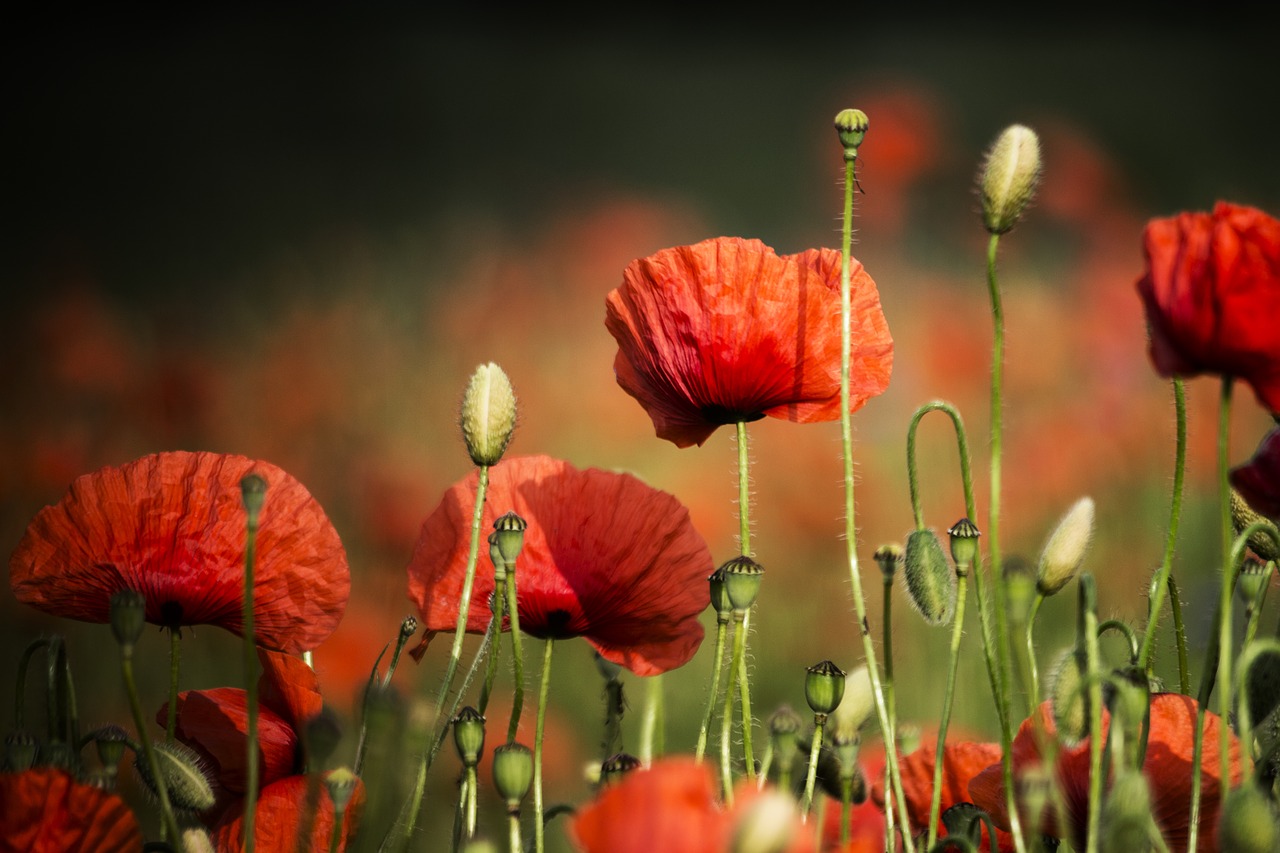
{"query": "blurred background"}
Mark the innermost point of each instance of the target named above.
(294, 237)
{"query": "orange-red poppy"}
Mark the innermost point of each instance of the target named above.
(605, 557)
(1258, 480)
(726, 331)
(1212, 296)
(172, 527)
(45, 810)
(280, 811)
(1167, 766)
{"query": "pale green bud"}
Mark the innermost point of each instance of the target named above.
(1064, 553)
(488, 414)
(1009, 177)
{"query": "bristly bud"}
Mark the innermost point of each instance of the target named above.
(508, 535)
(889, 557)
(720, 596)
(768, 825)
(742, 576)
(1020, 589)
(964, 544)
(851, 127)
(1067, 700)
(931, 583)
(341, 784)
(20, 750)
(1127, 822)
(857, 704)
(128, 617)
(1262, 679)
(253, 494)
(824, 687)
(512, 773)
(1064, 553)
(616, 766)
(1243, 515)
(184, 777)
(195, 839)
(1249, 822)
(468, 735)
(1010, 176)
(488, 414)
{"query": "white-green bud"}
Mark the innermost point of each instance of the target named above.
(1064, 553)
(1009, 177)
(488, 414)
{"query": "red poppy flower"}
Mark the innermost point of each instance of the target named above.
(1167, 767)
(726, 331)
(172, 527)
(1212, 296)
(280, 810)
(1258, 480)
(605, 557)
(46, 810)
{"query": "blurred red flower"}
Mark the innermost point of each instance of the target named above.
(1212, 296)
(605, 557)
(1167, 767)
(726, 330)
(45, 810)
(172, 527)
(280, 810)
(1258, 480)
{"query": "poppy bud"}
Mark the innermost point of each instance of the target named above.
(1249, 822)
(851, 127)
(1067, 700)
(488, 414)
(964, 544)
(720, 596)
(468, 735)
(183, 774)
(19, 751)
(341, 784)
(856, 705)
(408, 627)
(196, 840)
(111, 742)
(616, 766)
(784, 729)
(930, 582)
(128, 617)
(824, 687)
(512, 773)
(1243, 515)
(1127, 814)
(742, 576)
(321, 735)
(1009, 177)
(1020, 589)
(889, 558)
(768, 825)
(1262, 678)
(846, 750)
(253, 493)
(1063, 554)
(508, 531)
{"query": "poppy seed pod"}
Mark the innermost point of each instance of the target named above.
(20, 749)
(341, 784)
(111, 742)
(851, 127)
(184, 777)
(613, 768)
(742, 576)
(128, 617)
(468, 735)
(1250, 580)
(1243, 515)
(1249, 822)
(889, 557)
(512, 772)
(488, 414)
(931, 584)
(1009, 177)
(1127, 822)
(1020, 589)
(253, 493)
(508, 533)
(1064, 553)
(824, 687)
(720, 596)
(964, 544)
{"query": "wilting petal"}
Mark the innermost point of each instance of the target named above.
(46, 811)
(605, 557)
(172, 527)
(726, 330)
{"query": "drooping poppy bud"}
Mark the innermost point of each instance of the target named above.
(1249, 822)
(20, 750)
(1064, 552)
(1009, 177)
(488, 414)
(931, 583)
(183, 774)
(1068, 699)
(824, 687)
(1243, 515)
(1127, 822)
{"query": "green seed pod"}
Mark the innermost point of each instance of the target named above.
(111, 742)
(851, 127)
(742, 576)
(964, 544)
(468, 735)
(824, 687)
(1067, 699)
(341, 784)
(1064, 552)
(128, 617)
(184, 776)
(488, 414)
(720, 596)
(1010, 176)
(889, 557)
(1127, 822)
(1249, 822)
(512, 773)
(1243, 515)
(931, 585)
(508, 530)
(20, 750)
(253, 493)
(616, 766)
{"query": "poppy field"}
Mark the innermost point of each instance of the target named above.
(632, 534)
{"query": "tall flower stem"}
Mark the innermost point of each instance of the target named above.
(153, 763)
(815, 749)
(957, 632)
(887, 732)
(517, 656)
(175, 655)
(890, 704)
(744, 690)
(700, 751)
(538, 823)
(1164, 578)
(495, 629)
(251, 683)
(1089, 619)
(744, 540)
(653, 724)
(726, 716)
(1029, 653)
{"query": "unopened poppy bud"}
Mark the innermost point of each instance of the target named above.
(1249, 822)
(20, 749)
(488, 414)
(253, 493)
(196, 839)
(111, 742)
(1020, 589)
(613, 768)
(321, 735)
(856, 705)
(1262, 680)
(468, 735)
(1009, 177)
(720, 596)
(1243, 515)
(508, 531)
(1067, 700)
(931, 585)
(964, 544)
(183, 774)
(768, 825)
(824, 687)
(512, 773)
(784, 729)
(128, 617)
(742, 576)
(1064, 553)
(889, 557)
(1127, 814)
(851, 127)
(341, 784)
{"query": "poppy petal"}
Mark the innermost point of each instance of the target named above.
(279, 816)
(45, 810)
(1258, 480)
(216, 723)
(671, 806)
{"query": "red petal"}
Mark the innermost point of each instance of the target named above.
(1258, 481)
(279, 816)
(289, 687)
(172, 526)
(47, 811)
(671, 806)
(216, 723)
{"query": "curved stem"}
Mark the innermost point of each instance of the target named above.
(175, 656)
(20, 684)
(543, 689)
(1033, 672)
(939, 755)
(715, 690)
(1164, 578)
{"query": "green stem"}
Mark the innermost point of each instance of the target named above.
(651, 730)
(744, 491)
(1164, 577)
(815, 748)
(846, 806)
(1089, 615)
(139, 723)
(715, 689)
(1180, 637)
(744, 539)
(1130, 638)
(889, 699)
(514, 845)
(494, 635)
(251, 686)
(175, 656)
(335, 837)
(1029, 653)
(744, 691)
(726, 715)
(20, 684)
(543, 688)
(1251, 628)
(939, 755)
(517, 655)
(472, 789)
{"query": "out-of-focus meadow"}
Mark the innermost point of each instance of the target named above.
(296, 240)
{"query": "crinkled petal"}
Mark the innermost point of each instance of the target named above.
(45, 810)
(216, 723)
(279, 817)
